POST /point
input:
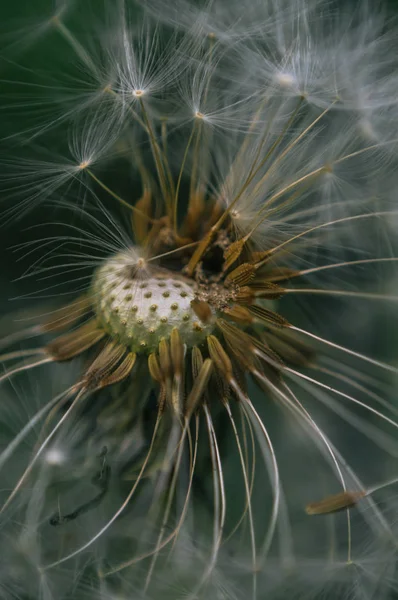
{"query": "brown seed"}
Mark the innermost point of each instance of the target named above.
(239, 314)
(199, 386)
(280, 274)
(71, 344)
(118, 374)
(67, 315)
(202, 310)
(102, 366)
(140, 222)
(177, 352)
(269, 316)
(334, 503)
(220, 357)
(154, 368)
(266, 289)
(241, 275)
(197, 361)
(164, 357)
(245, 295)
(239, 343)
(233, 252)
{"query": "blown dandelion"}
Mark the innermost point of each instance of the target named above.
(183, 414)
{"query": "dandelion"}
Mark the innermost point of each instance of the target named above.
(192, 409)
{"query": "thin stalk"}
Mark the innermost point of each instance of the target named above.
(157, 157)
(184, 159)
(118, 198)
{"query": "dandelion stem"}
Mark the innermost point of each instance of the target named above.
(118, 198)
(32, 331)
(24, 367)
(346, 293)
(180, 249)
(333, 458)
(248, 491)
(363, 261)
(287, 151)
(194, 183)
(381, 486)
(219, 501)
(184, 159)
(305, 178)
(253, 173)
(29, 468)
(322, 226)
(175, 532)
(21, 354)
(342, 394)
(168, 465)
(347, 350)
(4, 456)
(74, 43)
(270, 461)
(157, 157)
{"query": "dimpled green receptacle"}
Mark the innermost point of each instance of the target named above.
(139, 308)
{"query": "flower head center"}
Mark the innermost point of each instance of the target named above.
(140, 307)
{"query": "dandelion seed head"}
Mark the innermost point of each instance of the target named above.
(218, 183)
